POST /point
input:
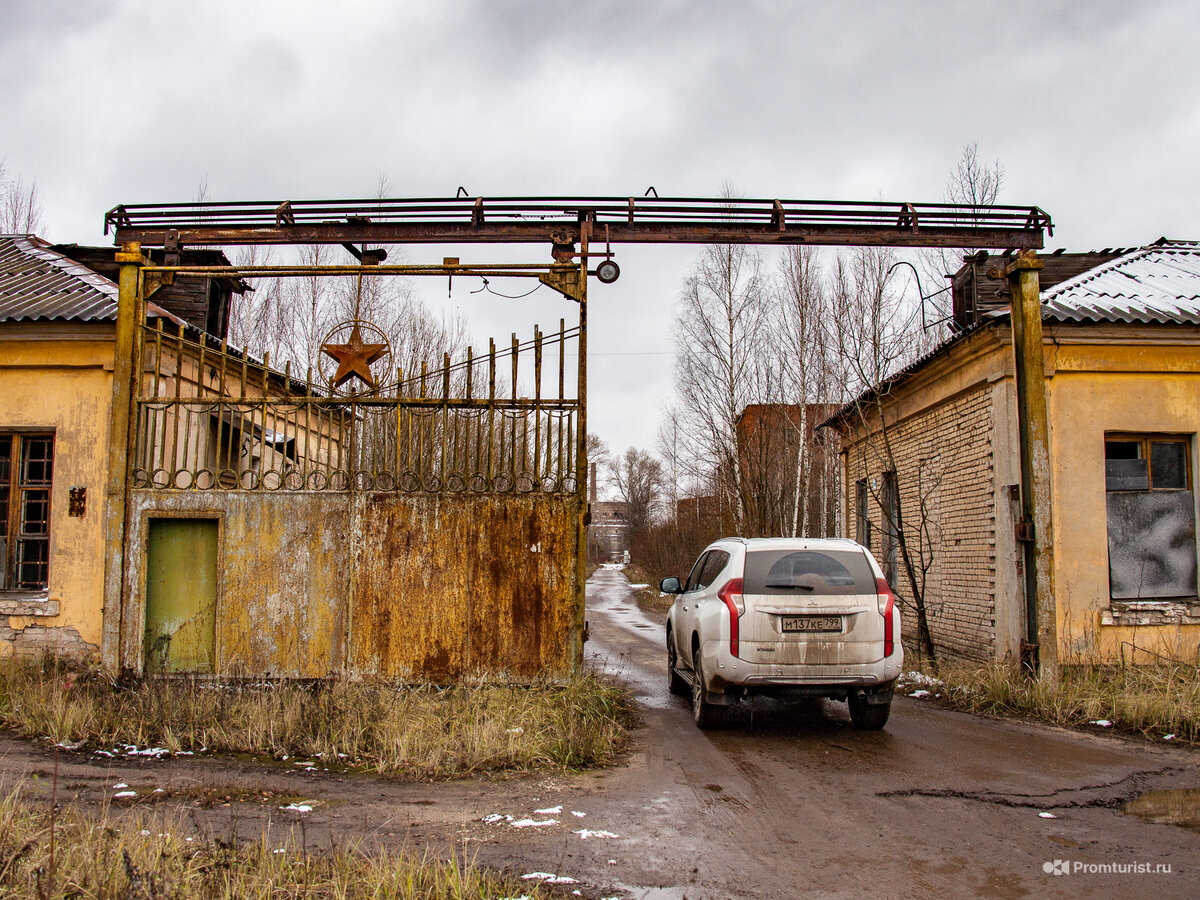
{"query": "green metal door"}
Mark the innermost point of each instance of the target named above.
(181, 596)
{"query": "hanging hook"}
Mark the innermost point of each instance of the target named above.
(462, 192)
(649, 190)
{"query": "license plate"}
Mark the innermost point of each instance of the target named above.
(811, 623)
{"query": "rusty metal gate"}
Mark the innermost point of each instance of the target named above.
(413, 525)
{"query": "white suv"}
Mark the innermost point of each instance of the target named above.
(784, 617)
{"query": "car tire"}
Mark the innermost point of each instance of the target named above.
(675, 684)
(868, 716)
(705, 714)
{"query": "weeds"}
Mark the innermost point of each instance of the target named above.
(120, 857)
(408, 731)
(1154, 700)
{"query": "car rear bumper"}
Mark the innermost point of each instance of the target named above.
(726, 671)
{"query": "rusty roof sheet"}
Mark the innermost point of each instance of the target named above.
(1156, 284)
(38, 284)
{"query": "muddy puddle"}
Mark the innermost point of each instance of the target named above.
(1177, 807)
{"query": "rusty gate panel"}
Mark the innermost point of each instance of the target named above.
(483, 586)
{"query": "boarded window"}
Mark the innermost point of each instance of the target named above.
(1151, 517)
(26, 469)
(862, 519)
(890, 504)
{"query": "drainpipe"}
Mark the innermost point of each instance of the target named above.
(126, 378)
(1039, 652)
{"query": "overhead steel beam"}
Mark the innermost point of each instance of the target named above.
(560, 220)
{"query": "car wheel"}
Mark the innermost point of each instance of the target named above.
(705, 714)
(868, 716)
(675, 683)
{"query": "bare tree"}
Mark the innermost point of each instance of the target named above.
(20, 205)
(720, 359)
(638, 480)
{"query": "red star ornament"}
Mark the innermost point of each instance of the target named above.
(354, 359)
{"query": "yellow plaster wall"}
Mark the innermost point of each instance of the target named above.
(1098, 389)
(66, 386)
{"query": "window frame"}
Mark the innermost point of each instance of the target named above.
(889, 505)
(16, 537)
(862, 513)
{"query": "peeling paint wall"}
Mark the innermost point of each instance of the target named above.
(60, 380)
(421, 587)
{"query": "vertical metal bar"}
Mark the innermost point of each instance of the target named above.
(172, 463)
(491, 407)
(1032, 422)
(537, 403)
(121, 435)
(158, 335)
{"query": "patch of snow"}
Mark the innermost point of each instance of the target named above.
(639, 587)
(612, 862)
(280, 850)
(533, 823)
(121, 785)
(159, 791)
(577, 814)
(517, 730)
(548, 811)
(122, 794)
(584, 834)
(549, 878)
(494, 818)
(919, 694)
(1047, 815)
(145, 833)
(1103, 723)
(70, 745)
(1168, 737)
(297, 807)
(102, 753)
(919, 678)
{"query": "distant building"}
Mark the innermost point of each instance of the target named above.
(608, 533)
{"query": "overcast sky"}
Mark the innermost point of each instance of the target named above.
(1089, 106)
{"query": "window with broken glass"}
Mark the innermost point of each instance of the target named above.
(862, 517)
(26, 468)
(1151, 516)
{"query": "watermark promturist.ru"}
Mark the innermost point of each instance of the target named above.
(1078, 867)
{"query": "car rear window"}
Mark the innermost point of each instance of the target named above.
(808, 573)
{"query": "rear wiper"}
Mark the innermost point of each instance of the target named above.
(789, 584)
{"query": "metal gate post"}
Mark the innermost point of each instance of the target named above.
(581, 460)
(1040, 653)
(126, 379)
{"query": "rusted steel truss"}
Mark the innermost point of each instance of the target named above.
(564, 220)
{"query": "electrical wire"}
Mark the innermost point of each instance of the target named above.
(487, 287)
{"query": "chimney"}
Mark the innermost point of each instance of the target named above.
(592, 484)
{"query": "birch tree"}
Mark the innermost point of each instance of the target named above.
(20, 205)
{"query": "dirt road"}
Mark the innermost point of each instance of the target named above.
(788, 801)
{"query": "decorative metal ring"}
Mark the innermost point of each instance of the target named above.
(409, 481)
(294, 480)
(141, 478)
(318, 481)
(570, 484)
(385, 481)
(432, 483)
(227, 479)
(249, 480)
(549, 484)
(183, 479)
(479, 483)
(526, 483)
(364, 480)
(456, 483)
(339, 481)
(272, 480)
(160, 478)
(502, 483)
(205, 479)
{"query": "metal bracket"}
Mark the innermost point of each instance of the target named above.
(566, 280)
(1023, 530)
(154, 281)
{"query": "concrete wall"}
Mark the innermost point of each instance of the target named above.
(1150, 383)
(65, 386)
(421, 587)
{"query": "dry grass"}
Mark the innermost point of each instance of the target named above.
(414, 732)
(648, 599)
(1153, 700)
(145, 859)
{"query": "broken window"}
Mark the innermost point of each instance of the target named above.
(1151, 516)
(26, 468)
(862, 520)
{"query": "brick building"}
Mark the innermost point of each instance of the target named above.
(934, 451)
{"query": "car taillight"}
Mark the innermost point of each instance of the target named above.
(887, 600)
(733, 598)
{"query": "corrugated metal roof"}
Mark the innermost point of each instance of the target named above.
(1158, 284)
(37, 284)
